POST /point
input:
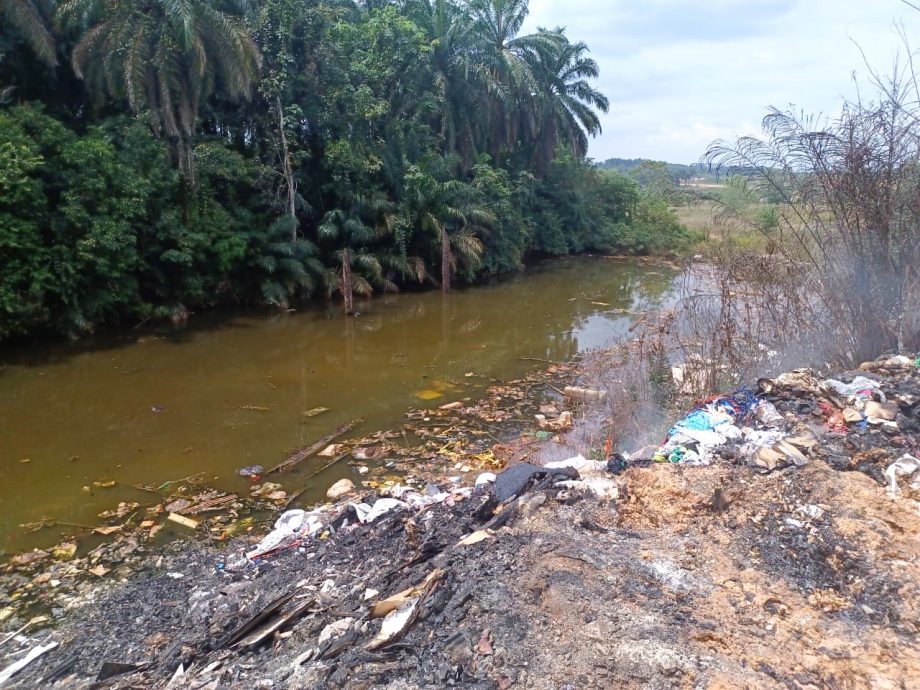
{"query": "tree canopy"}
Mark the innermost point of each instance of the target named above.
(161, 157)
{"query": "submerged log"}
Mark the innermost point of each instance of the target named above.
(302, 454)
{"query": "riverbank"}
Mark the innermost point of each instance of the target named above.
(155, 406)
(719, 575)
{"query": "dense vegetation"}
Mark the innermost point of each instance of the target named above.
(161, 157)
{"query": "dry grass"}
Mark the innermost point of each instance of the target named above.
(850, 210)
(698, 217)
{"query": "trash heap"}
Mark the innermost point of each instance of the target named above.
(577, 573)
(786, 421)
(448, 445)
(740, 425)
(360, 574)
(296, 528)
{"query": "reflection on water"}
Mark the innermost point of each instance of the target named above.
(143, 410)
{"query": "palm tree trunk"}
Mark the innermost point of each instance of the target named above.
(186, 155)
(445, 323)
(287, 169)
(349, 343)
(446, 260)
(347, 294)
(186, 162)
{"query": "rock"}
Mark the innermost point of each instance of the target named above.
(334, 630)
(30, 557)
(341, 488)
(531, 504)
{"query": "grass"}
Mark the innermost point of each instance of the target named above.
(716, 229)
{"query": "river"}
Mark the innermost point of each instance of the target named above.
(232, 390)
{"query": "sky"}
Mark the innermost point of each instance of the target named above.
(682, 73)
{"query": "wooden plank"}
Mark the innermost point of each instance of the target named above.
(182, 520)
(259, 635)
(302, 454)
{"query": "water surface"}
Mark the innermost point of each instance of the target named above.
(147, 408)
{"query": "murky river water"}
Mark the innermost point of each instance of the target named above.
(144, 409)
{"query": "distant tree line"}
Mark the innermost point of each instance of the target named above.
(643, 166)
(162, 157)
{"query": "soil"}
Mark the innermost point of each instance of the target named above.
(694, 577)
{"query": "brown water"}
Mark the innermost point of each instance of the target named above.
(144, 409)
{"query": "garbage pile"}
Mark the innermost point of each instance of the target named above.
(359, 577)
(297, 527)
(781, 423)
(587, 573)
(450, 444)
(738, 425)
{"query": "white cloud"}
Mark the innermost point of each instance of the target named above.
(680, 73)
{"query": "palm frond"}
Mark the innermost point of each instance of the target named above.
(25, 18)
(165, 57)
(274, 294)
(267, 263)
(361, 286)
(369, 265)
(467, 248)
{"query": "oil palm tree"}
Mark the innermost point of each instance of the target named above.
(448, 30)
(567, 101)
(290, 264)
(448, 210)
(165, 57)
(28, 21)
(506, 65)
(353, 228)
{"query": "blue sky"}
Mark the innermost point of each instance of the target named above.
(681, 73)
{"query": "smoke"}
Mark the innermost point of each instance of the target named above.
(847, 199)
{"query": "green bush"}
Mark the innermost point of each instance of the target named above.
(69, 209)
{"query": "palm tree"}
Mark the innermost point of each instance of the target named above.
(507, 65)
(28, 21)
(290, 266)
(449, 32)
(567, 100)
(447, 209)
(353, 228)
(165, 57)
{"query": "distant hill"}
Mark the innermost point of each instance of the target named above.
(677, 171)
